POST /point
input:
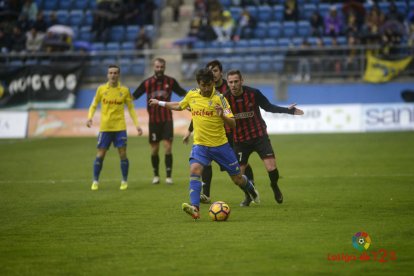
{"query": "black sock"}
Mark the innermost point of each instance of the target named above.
(168, 164)
(248, 171)
(206, 177)
(274, 176)
(155, 160)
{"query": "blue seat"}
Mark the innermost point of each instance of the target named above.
(265, 64)
(75, 18)
(402, 7)
(127, 46)
(113, 47)
(253, 11)
(138, 67)
(65, 5)
(62, 16)
(297, 41)
(50, 5)
(265, 14)
(284, 42)
(199, 45)
(226, 3)
(255, 43)
(131, 32)
(278, 63)
(289, 28)
(270, 43)
(242, 43)
(341, 40)
(303, 28)
(274, 30)
(80, 4)
(150, 31)
(324, 9)
(85, 33)
(98, 46)
(249, 64)
(384, 6)
(327, 41)
(88, 18)
(260, 32)
(236, 12)
(278, 13)
(117, 33)
(227, 44)
(308, 10)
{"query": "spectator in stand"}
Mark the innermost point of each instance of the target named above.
(189, 62)
(303, 64)
(142, 41)
(291, 10)
(394, 14)
(352, 25)
(40, 23)
(53, 20)
(5, 41)
(34, 40)
(374, 21)
(223, 25)
(149, 7)
(23, 23)
(246, 21)
(318, 58)
(131, 13)
(175, 5)
(30, 10)
(206, 31)
(18, 40)
(333, 23)
(351, 64)
(316, 22)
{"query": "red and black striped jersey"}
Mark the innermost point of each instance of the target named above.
(159, 88)
(246, 109)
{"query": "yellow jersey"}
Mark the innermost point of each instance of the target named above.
(113, 100)
(208, 126)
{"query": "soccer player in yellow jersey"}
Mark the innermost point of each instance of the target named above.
(113, 97)
(209, 110)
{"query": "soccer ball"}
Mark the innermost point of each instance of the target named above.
(219, 211)
(361, 241)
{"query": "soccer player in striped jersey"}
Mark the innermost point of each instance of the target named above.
(112, 96)
(221, 86)
(209, 110)
(250, 134)
(160, 87)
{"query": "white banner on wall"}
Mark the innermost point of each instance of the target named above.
(343, 118)
(13, 124)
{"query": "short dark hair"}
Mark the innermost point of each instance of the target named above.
(204, 75)
(114, 66)
(215, 63)
(234, 72)
(160, 60)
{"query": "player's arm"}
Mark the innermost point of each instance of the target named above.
(133, 115)
(224, 112)
(178, 89)
(139, 91)
(264, 103)
(169, 105)
(92, 108)
(188, 134)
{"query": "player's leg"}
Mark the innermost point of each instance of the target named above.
(121, 144)
(265, 150)
(206, 177)
(248, 171)
(243, 151)
(104, 141)
(167, 136)
(226, 158)
(154, 140)
(198, 157)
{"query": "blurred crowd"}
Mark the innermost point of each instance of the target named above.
(25, 29)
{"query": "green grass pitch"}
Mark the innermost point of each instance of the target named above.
(334, 186)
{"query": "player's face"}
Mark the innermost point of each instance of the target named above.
(235, 84)
(206, 88)
(159, 69)
(217, 74)
(113, 75)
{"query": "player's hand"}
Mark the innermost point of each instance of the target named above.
(186, 137)
(139, 129)
(89, 123)
(297, 110)
(219, 110)
(153, 102)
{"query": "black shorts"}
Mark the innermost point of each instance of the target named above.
(261, 145)
(161, 131)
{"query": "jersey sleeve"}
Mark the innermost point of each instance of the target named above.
(226, 107)
(130, 104)
(184, 103)
(178, 89)
(139, 91)
(264, 103)
(94, 104)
